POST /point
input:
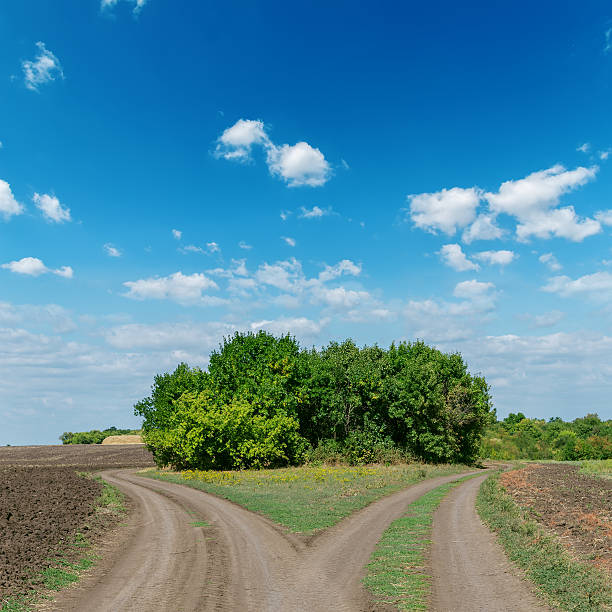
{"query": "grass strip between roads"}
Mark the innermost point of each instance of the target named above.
(567, 583)
(397, 572)
(307, 499)
(64, 571)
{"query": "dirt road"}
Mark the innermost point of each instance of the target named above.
(241, 562)
(471, 573)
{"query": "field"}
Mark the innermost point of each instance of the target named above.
(308, 499)
(575, 506)
(47, 509)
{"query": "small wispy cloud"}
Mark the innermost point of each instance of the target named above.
(111, 250)
(290, 241)
(243, 245)
(45, 67)
(584, 148)
(177, 234)
(608, 40)
(109, 4)
(315, 212)
(51, 208)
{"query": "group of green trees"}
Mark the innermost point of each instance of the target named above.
(517, 437)
(95, 436)
(266, 402)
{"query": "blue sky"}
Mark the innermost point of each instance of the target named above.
(173, 172)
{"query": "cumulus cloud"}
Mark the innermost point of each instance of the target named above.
(111, 250)
(597, 285)
(604, 217)
(298, 165)
(533, 201)
(237, 141)
(179, 287)
(51, 208)
(299, 326)
(483, 228)
(32, 266)
(454, 257)
(43, 69)
(345, 266)
(9, 206)
(551, 261)
(339, 297)
(444, 210)
(474, 290)
(500, 258)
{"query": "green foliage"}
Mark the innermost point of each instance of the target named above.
(518, 437)
(95, 436)
(569, 584)
(264, 400)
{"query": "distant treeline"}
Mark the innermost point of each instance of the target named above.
(95, 436)
(518, 437)
(266, 402)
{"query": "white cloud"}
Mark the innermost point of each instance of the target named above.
(472, 289)
(108, 4)
(177, 234)
(483, 228)
(315, 212)
(57, 318)
(454, 257)
(9, 206)
(538, 191)
(299, 326)
(51, 208)
(604, 217)
(559, 222)
(43, 69)
(32, 266)
(346, 266)
(243, 245)
(546, 319)
(500, 258)
(299, 165)
(608, 40)
(237, 141)
(285, 214)
(111, 250)
(191, 248)
(597, 285)
(282, 275)
(290, 241)
(339, 297)
(213, 247)
(584, 148)
(444, 210)
(551, 261)
(603, 155)
(182, 288)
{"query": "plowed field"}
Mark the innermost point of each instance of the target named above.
(575, 506)
(44, 503)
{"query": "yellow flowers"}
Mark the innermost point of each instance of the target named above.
(300, 475)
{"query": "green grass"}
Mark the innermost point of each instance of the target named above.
(567, 583)
(396, 573)
(200, 524)
(602, 468)
(64, 571)
(307, 499)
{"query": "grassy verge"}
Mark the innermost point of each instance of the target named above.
(602, 468)
(396, 573)
(66, 569)
(307, 499)
(565, 582)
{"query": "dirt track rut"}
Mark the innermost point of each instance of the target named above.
(242, 562)
(470, 571)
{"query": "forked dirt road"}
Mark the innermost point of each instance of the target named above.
(241, 562)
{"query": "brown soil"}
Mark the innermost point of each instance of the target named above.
(470, 571)
(167, 561)
(575, 506)
(41, 509)
(44, 503)
(82, 456)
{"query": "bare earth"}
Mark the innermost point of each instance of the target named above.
(470, 570)
(242, 561)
